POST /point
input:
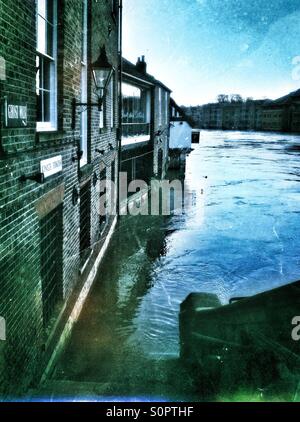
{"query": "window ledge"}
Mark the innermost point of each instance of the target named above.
(46, 129)
(135, 139)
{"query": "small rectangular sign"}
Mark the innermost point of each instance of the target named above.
(15, 114)
(2, 329)
(51, 166)
(2, 69)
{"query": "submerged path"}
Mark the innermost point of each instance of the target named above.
(239, 237)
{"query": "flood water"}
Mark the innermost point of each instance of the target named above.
(238, 236)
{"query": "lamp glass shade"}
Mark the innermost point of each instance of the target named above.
(101, 77)
(102, 70)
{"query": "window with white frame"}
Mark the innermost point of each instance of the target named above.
(136, 111)
(112, 101)
(166, 107)
(46, 65)
(159, 106)
(84, 82)
(102, 116)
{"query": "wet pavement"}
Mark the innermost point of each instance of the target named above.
(238, 236)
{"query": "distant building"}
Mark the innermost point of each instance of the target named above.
(273, 117)
(182, 134)
(281, 115)
(181, 128)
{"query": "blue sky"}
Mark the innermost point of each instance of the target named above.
(201, 48)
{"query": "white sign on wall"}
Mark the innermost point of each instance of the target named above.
(12, 111)
(2, 329)
(51, 166)
(2, 69)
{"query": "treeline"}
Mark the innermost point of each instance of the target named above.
(232, 98)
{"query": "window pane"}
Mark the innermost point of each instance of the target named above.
(101, 121)
(49, 39)
(135, 104)
(50, 11)
(39, 105)
(42, 8)
(41, 35)
(38, 74)
(46, 74)
(46, 106)
(84, 32)
(130, 91)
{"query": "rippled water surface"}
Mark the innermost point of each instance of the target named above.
(239, 236)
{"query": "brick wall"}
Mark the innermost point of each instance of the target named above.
(24, 204)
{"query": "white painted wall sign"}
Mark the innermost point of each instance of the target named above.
(2, 69)
(2, 329)
(51, 166)
(12, 111)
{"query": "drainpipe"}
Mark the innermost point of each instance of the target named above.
(120, 101)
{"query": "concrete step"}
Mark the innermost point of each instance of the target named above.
(166, 380)
(57, 390)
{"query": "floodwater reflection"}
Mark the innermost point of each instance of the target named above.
(238, 237)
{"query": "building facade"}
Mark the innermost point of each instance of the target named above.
(56, 144)
(279, 115)
(145, 123)
(282, 114)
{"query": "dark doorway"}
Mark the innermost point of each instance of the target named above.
(85, 223)
(51, 265)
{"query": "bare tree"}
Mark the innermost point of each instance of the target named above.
(236, 98)
(222, 98)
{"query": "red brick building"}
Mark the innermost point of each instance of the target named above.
(145, 123)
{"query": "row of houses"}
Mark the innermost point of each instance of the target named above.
(282, 114)
(73, 113)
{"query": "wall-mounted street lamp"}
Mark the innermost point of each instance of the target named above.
(101, 71)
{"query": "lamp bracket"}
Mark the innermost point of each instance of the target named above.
(78, 156)
(84, 107)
